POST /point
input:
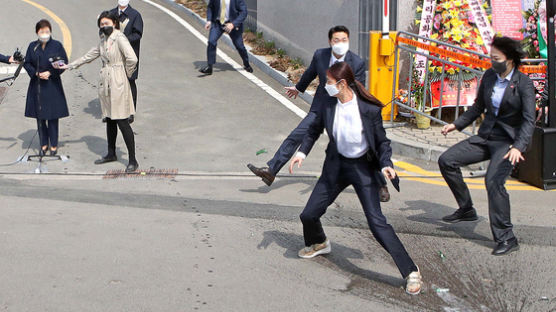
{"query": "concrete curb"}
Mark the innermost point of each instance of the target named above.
(400, 146)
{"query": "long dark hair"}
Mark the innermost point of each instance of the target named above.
(510, 48)
(342, 70)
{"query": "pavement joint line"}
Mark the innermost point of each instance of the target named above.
(66, 33)
(251, 77)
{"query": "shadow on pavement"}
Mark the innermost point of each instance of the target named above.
(94, 109)
(337, 260)
(433, 213)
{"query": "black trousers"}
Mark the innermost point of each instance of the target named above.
(133, 87)
(129, 138)
(356, 172)
(48, 132)
(475, 150)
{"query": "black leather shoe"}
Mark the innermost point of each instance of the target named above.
(506, 247)
(207, 70)
(264, 173)
(105, 159)
(53, 152)
(461, 215)
(248, 69)
(384, 194)
(132, 167)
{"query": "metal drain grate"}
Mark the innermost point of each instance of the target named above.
(141, 174)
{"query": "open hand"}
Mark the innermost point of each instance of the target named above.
(514, 156)
(292, 92)
(296, 160)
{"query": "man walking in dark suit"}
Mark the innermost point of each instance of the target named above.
(225, 16)
(338, 51)
(506, 97)
(131, 24)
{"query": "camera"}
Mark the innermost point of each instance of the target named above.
(18, 57)
(57, 61)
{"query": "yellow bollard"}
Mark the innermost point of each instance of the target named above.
(381, 70)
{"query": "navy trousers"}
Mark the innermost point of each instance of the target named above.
(356, 172)
(237, 38)
(48, 132)
(472, 151)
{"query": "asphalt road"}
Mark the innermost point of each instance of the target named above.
(214, 238)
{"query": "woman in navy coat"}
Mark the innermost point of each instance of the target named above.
(46, 100)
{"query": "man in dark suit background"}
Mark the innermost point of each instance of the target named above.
(338, 39)
(225, 16)
(131, 24)
(506, 97)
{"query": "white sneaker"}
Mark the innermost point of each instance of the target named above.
(315, 250)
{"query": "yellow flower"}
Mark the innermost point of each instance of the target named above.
(434, 36)
(451, 71)
(457, 3)
(454, 13)
(446, 5)
(446, 35)
(465, 45)
(456, 31)
(445, 14)
(432, 69)
(457, 38)
(417, 22)
(456, 22)
(419, 9)
(480, 41)
(485, 5)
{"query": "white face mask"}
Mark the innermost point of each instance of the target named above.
(123, 3)
(44, 37)
(332, 89)
(341, 48)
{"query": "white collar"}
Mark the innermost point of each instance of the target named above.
(349, 103)
(334, 59)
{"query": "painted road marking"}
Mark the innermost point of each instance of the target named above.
(270, 91)
(66, 34)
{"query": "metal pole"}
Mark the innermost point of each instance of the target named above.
(393, 103)
(551, 11)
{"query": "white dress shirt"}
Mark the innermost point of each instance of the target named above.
(334, 60)
(348, 129)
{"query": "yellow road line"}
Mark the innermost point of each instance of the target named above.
(66, 34)
(476, 184)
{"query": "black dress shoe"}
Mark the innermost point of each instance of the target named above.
(207, 70)
(106, 159)
(248, 69)
(264, 173)
(132, 167)
(384, 194)
(53, 152)
(505, 247)
(42, 152)
(461, 215)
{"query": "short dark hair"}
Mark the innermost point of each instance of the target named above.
(337, 29)
(111, 16)
(510, 48)
(42, 24)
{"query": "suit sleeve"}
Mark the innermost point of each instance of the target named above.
(92, 55)
(315, 130)
(527, 94)
(137, 29)
(360, 73)
(62, 53)
(308, 76)
(28, 63)
(4, 59)
(474, 112)
(383, 147)
(242, 7)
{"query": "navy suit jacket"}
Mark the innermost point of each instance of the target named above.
(4, 59)
(379, 153)
(516, 115)
(318, 67)
(133, 31)
(237, 15)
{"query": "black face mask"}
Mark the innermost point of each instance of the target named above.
(106, 30)
(499, 67)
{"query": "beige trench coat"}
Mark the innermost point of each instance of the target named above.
(118, 63)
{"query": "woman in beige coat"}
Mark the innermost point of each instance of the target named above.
(118, 63)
